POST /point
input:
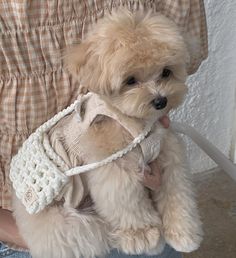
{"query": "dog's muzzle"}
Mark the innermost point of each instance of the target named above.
(159, 102)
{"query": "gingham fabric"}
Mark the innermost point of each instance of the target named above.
(33, 84)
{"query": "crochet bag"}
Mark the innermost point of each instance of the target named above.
(37, 172)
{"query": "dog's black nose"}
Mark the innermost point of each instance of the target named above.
(159, 102)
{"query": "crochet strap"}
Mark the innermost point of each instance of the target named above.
(51, 122)
(84, 168)
(118, 154)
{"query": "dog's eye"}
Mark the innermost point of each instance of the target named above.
(131, 80)
(166, 73)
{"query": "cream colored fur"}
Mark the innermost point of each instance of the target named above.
(128, 216)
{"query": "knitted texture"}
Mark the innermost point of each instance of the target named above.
(39, 174)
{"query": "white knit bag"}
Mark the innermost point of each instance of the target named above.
(37, 173)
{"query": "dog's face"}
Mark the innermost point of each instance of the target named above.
(136, 63)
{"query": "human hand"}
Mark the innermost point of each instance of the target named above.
(152, 173)
(8, 229)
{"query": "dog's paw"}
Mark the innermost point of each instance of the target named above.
(183, 241)
(158, 248)
(138, 241)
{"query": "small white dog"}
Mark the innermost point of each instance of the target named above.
(137, 65)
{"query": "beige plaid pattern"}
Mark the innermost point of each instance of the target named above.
(33, 83)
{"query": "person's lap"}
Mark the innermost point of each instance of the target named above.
(168, 252)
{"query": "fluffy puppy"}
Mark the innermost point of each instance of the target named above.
(137, 64)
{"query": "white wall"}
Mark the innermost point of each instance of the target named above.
(210, 103)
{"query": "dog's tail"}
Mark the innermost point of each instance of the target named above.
(59, 232)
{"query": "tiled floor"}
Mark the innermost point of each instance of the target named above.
(217, 203)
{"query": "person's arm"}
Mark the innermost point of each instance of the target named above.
(8, 229)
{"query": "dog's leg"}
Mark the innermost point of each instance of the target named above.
(176, 201)
(59, 232)
(124, 203)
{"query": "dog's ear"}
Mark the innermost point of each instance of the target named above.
(75, 58)
(85, 64)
